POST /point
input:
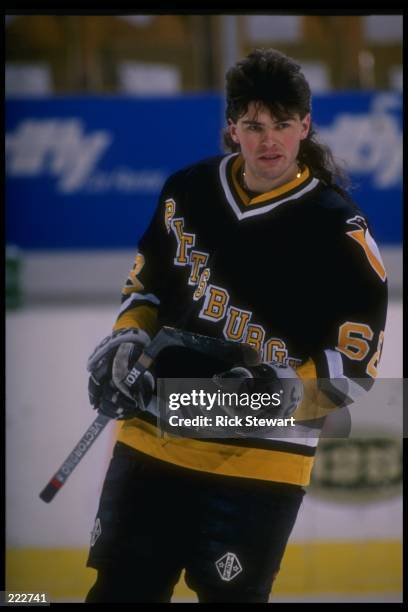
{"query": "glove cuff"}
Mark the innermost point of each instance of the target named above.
(129, 334)
(132, 334)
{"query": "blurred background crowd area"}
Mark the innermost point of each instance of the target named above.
(182, 53)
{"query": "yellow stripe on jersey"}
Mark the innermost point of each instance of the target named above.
(143, 317)
(218, 458)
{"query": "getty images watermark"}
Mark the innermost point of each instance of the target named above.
(196, 407)
(205, 401)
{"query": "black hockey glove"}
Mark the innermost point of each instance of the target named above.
(270, 378)
(109, 365)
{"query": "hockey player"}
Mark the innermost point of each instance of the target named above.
(261, 246)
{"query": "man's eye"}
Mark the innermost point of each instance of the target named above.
(282, 125)
(254, 128)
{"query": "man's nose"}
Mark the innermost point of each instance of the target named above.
(269, 136)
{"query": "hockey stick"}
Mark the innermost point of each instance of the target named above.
(166, 337)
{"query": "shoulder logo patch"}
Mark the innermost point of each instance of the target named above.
(366, 241)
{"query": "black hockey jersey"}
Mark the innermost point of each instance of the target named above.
(294, 272)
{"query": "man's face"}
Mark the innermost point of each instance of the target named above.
(268, 146)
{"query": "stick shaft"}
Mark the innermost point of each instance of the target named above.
(77, 454)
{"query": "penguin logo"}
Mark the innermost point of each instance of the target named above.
(363, 237)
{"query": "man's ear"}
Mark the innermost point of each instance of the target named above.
(306, 121)
(232, 129)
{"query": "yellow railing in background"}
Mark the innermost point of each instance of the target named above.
(310, 568)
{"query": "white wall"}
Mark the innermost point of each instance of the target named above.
(47, 413)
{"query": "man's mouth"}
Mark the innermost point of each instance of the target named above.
(270, 156)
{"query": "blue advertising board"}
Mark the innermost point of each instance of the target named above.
(85, 172)
(364, 131)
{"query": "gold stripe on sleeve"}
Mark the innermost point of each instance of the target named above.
(143, 317)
